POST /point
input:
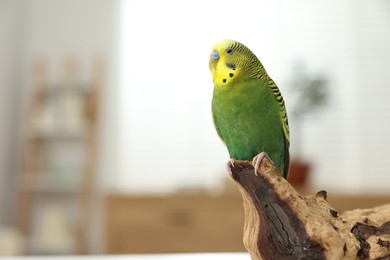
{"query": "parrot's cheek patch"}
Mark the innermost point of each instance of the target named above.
(231, 66)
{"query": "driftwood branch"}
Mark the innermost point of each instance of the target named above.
(282, 224)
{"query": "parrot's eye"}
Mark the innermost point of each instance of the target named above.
(229, 51)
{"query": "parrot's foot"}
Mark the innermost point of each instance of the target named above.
(257, 160)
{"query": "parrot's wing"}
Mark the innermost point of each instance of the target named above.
(286, 137)
(282, 108)
(284, 120)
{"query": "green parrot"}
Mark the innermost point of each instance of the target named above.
(248, 109)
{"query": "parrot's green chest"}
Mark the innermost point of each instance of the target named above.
(246, 117)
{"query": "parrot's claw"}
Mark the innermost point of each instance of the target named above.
(257, 160)
(232, 162)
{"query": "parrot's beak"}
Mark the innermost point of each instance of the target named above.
(214, 55)
(214, 58)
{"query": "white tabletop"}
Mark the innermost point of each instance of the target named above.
(200, 256)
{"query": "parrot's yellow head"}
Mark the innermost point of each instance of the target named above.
(231, 61)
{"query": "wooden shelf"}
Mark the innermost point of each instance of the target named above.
(50, 187)
(59, 155)
(59, 136)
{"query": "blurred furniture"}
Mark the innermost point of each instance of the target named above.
(59, 157)
(174, 224)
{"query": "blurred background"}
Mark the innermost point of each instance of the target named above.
(107, 141)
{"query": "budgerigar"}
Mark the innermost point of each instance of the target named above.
(248, 109)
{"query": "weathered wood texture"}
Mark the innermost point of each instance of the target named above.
(282, 224)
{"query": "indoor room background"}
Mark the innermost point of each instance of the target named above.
(107, 140)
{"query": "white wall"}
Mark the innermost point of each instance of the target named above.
(166, 128)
